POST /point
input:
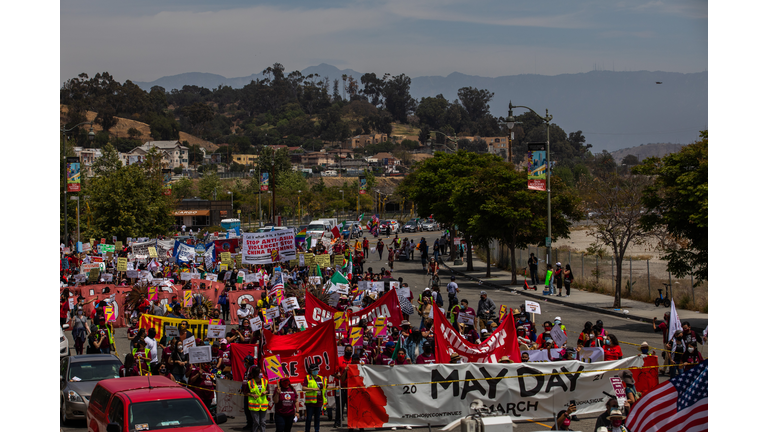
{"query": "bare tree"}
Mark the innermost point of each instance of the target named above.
(617, 207)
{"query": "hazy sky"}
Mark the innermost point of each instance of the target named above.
(143, 40)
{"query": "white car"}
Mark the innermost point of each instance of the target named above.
(395, 226)
(63, 343)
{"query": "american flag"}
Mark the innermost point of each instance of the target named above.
(278, 284)
(680, 404)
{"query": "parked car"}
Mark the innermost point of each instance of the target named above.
(429, 225)
(63, 343)
(412, 225)
(148, 403)
(394, 225)
(79, 374)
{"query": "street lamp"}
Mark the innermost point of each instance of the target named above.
(547, 118)
(91, 136)
(510, 122)
(342, 200)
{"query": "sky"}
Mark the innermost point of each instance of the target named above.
(144, 40)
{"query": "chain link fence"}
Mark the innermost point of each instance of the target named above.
(641, 279)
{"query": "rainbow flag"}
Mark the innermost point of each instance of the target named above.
(301, 236)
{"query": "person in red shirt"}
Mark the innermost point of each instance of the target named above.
(402, 357)
(64, 307)
(285, 399)
(612, 349)
(385, 358)
(586, 336)
(365, 246)
(204, 382)
(427, 356)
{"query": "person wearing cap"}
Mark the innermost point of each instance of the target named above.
(629, 389)
(559, 322)
(483, 334)
(314, 387)
(644, 349)
(602, 420)
(224, 362)
(427, 355)
(486, 310)
(505, 359)
(455, 358)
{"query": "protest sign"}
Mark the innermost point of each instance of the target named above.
(252, 278)
(338, 260)
(293, 263)
(316, 280)
(403, 292)
(109, 314)
(465, 318)
(188, 343)
(502, 312)
(257, 247)
(223, 266)
(340, 288)
(323, 260)
(216, 331)
(274, 368)
(272, 313)
(395, 285)
(226, 256)
(198, 328)
(132, 274)
(532, 307)
(377, 286)
(86, 268)
(122, 264)
(118, 245)
(529, 392)
(200, 354)
(289, 304)
(171, 331)
(356, 337)
(618, 389)
(256, 323)
(93, 275)
(152, 252)
(558, 336)
(309, 259)
(301, 322)
(228, 399)
(107, 277)
(188, 276)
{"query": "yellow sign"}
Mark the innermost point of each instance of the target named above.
(502, 312)
(338, 319)
(122, 264)
(356, 336)
(118, 246)
(323, 260)
(223, 266)
(309, 259)
(187, 298)
(293, 263)
(152, 252)
(226, 256)
(338, 260)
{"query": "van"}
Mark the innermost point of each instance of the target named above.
(329, 173)
(147, 403)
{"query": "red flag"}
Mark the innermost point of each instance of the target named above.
(234, 298)
(502, 342)
(226, 245)
(387, 306)
(335, 231)
(298, 350)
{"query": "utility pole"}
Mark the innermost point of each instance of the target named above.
(274, 201)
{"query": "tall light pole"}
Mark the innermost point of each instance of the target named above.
(91, 136)
(299, 215)
(342, 201)
(547, 118)
(510, 123)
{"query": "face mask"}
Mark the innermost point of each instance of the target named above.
(690, 349)
(242, 306)
(314, 372)
(463, 307)
(79, 313)
(401, 356)
(591, 336)
(567, 422)
(679, 338)
(607, 341)
(180, 348)
(548, 340)
(347, 354)
(616, 423)
(644, 350)
(547, 328)
(557, 322)
(162, 371)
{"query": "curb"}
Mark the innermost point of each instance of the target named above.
(553, 300)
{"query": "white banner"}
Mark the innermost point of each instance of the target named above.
(257, 247)
(586, 355)
(228, 399)
(522, 398)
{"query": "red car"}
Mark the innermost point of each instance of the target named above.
(148, 403)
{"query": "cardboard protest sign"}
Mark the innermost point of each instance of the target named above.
(118, 245)
(132, 274)
(293, 263)
(200, 354)
(309, 259)
(122, 264)
(272, 313)
(274, 368)
(377, 286)
(226, 256)
(558, 336)
(338, 260)
(532, 307)
(171, 331)
(93, 275)
(301, 322)
(323, 260)
(289, 304)
(152, 252)
(465, 318)
(256, 324)
(188, 343)
(356, 336)
(217, 331)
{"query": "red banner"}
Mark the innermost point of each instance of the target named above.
(316, 345)
(387, 306)
(94, 293)
(235, 297)
(647, 379)
(227, 245)
(195, 283)
(501, 342)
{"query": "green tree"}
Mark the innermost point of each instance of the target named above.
(617, 202)
(182, 188)
(128, 201)
(210, 186)
(398, 98)
(677, 202)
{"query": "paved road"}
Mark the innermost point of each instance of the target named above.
(626, 330)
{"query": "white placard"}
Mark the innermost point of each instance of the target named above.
(171, 331)
(216, 331)
(377, 286)
(132, 274)
(272, 313)
(252, 278)
(431, 310)
(362, 285)
(532, 307)
(188, 343)
(465, 318)
(395, 285)
(289, 304)
(301, 321)
(187, 276)
(107, 277)
(257, 247)
(340, 288)
(213, 277)
(558, 336)
(256, 324)
(404, 292)
(228, 275)
(200, 354)
(316, 280)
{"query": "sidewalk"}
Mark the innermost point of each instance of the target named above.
(594, 302)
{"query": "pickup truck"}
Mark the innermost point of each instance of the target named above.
(148, 403)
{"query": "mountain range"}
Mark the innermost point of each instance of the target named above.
(614, 110)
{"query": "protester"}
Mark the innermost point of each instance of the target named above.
(563, 419)
(612, 348)
(314, 387)
(257, 399)
(285, 400)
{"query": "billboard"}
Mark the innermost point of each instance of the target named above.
(73, 174)
(537, 166)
